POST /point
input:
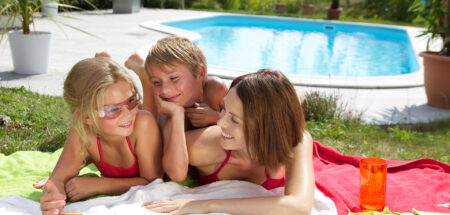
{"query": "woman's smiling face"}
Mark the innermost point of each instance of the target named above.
(231, 122)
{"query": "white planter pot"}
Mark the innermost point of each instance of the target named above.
(30, 53)
(126, 6)
(12, 24)
(49, 8)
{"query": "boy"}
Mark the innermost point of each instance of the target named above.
(175, 71)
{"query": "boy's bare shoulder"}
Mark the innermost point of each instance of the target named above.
(214, 84)
(214, 91)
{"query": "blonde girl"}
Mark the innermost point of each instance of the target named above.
(108, 130)
(260, 138)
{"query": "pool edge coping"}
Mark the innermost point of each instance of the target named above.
(379, 82)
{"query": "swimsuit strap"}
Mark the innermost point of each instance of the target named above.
(99, 149)
(267, 174)
(223, 163)
(131, 149)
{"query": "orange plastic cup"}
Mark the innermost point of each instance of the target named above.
(373, 184)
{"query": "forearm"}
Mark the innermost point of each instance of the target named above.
(175, 158)
(115, 186)
(263, 205)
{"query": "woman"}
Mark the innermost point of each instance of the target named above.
(260, 138)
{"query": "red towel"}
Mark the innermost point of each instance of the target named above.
(421, 184)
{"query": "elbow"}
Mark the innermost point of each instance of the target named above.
(298, 207)
(177, 174)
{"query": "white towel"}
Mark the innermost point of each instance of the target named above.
(131, 201)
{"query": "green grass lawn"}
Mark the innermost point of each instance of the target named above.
(40, 122)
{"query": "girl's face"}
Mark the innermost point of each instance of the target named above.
(119, 95)
(231, 122)
(176, 84)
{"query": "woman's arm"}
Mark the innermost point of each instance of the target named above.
(298, 198)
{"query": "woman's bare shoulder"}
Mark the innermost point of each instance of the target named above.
(204, 146)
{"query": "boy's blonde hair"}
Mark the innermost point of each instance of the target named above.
(273, 116)
(84, 90)
(176, 50)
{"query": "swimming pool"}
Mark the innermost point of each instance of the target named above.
(302, 47)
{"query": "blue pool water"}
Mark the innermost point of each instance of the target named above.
(302, 47)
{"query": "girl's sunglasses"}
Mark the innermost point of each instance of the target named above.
(113, 111)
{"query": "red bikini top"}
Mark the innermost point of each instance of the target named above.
(111, 171)
(269, 184)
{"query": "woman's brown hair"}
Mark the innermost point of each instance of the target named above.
(273, 117)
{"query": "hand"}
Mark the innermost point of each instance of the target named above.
(176, 206)
(79, 187)
(40, 184)
(202, 115)
(103, 54)
(137, 64)
(169, 108)
(52, 200)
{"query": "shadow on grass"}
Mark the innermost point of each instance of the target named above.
(53, 144)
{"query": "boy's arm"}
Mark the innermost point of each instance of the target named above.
(208, 113)
(175, 157)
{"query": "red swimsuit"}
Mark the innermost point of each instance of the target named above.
(111, 171)
(269, 184)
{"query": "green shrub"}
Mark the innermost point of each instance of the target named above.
(154, 3)
(206, 4)
(293, 6)
(394, 10)
(327, 107)
(88, 4)
(231, 5)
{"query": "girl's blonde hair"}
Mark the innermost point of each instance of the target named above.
(84, 89)
(273, 117)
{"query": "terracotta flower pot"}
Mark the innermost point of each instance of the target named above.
(307, 9)
(437, 79)
(333, 13)
(280, 7)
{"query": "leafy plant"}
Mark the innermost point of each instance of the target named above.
(334, 4)
(25, 11)
(437, 18)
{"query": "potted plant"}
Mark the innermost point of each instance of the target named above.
(307, 8)
(334, 10)
(436, 64)
(49, 8)
(126, 6)
(30, 49)
(5, 17)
